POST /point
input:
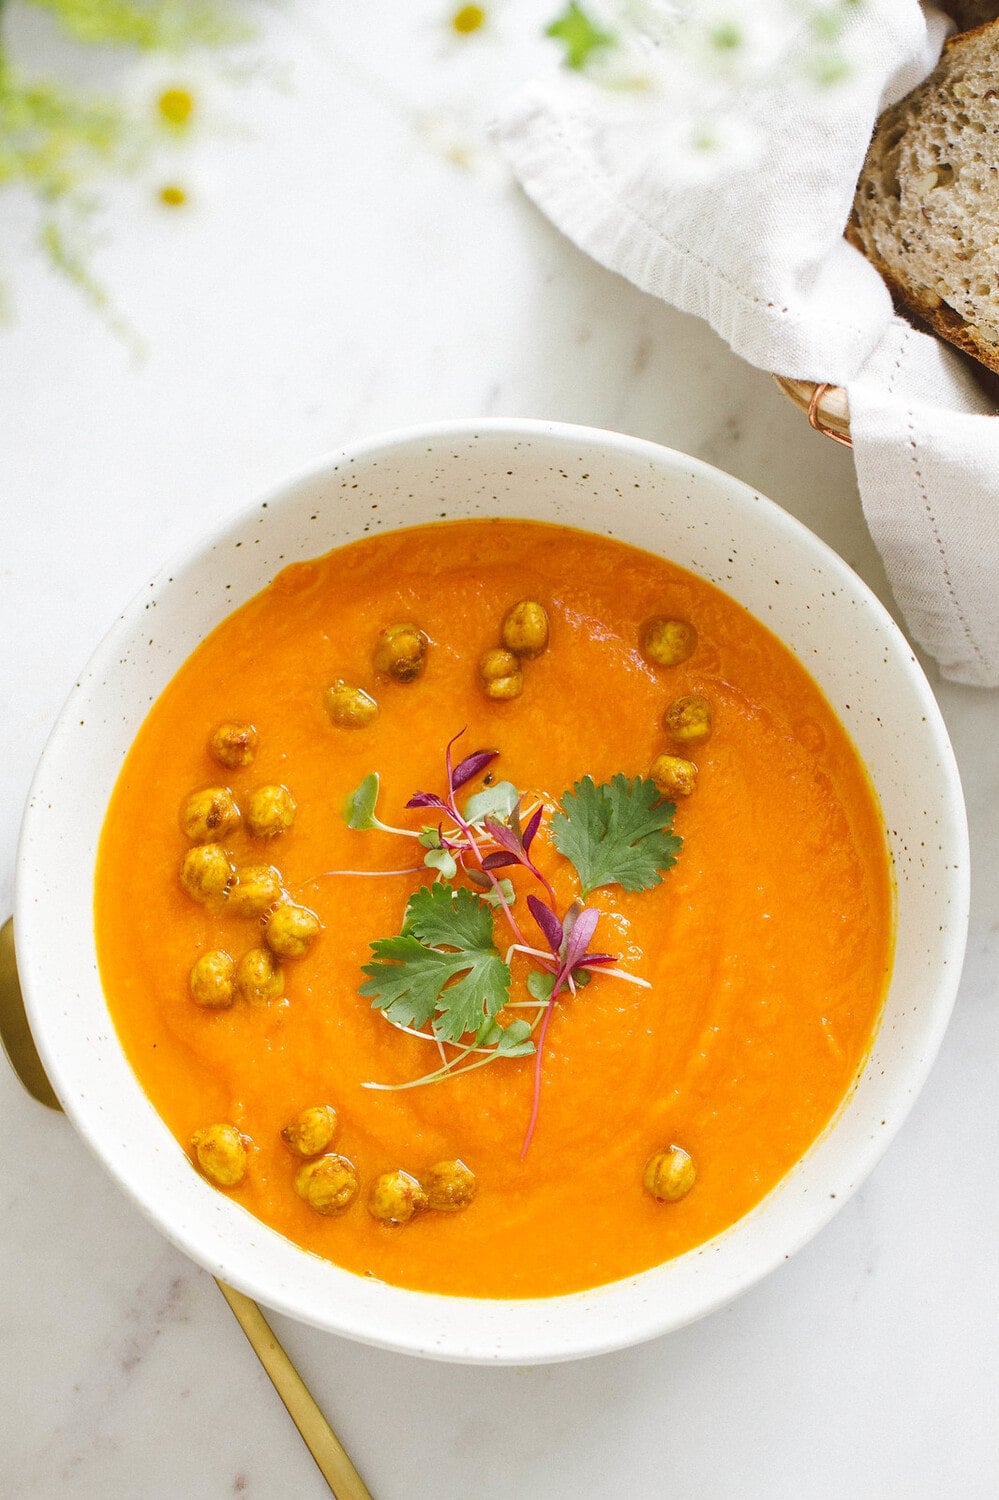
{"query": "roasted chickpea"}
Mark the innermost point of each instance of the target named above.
(449, 1186)
(350, 707)
(233, 745)
(666, 643)
(212, 980)
(291, 930)
(255, 888)
(311, 1132)
(258, 977)
(270, 810)
(209, 815)
(220, 1152)
(205, 872)
(673, 775)
(395, 1197)
(669, 1175)
(525, 628)
(400, 652)
(688, 720)
(500, 673)
(328, 1185)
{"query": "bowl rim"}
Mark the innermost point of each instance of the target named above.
(658, 1318)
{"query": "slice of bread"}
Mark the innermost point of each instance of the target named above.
(926, 211)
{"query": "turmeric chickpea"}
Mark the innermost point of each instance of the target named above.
(669, 1175)
(449, 1186)
(395, 1197)
(207, 816)
(258, 977)
(500, 674)
(674, 776)
(311, 1131)
(350, 707)
(688, 720)
(205, 872)
(328, 1185)
(525, 628)
(233, 745)
(270, 810)
(400, 652)
(220, 1153)
(290, 930)
(666, 643)
(255, 888)
(212, 980)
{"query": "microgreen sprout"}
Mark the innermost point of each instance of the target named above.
(442, 979)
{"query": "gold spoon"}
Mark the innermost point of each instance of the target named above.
(343, 1479)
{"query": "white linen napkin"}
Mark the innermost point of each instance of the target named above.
(724, 187)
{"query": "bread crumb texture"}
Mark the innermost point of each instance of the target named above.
(926, 211)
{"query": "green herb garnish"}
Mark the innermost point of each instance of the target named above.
(442, 978)
(443, 968)
(617, 833)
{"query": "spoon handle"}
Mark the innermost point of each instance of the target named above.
(320, 1439)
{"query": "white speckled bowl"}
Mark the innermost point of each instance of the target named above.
(642, 494)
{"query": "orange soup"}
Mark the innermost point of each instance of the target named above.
(641, 973)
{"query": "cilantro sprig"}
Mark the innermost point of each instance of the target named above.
(617, 833)
(443, 969)
(442, 977)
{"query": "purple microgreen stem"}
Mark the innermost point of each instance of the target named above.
(536, 1101)
(513, 844)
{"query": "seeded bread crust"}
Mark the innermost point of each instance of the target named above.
(926, 211)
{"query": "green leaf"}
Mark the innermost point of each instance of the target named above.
(439, 914)
(515, 1040)
(578, 35)
(442, 968)
(509, 895)
(496, 801)
(540, 985)
(359, 806)
(616, 833)
(442, 860)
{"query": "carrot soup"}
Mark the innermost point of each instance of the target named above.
(494, 909)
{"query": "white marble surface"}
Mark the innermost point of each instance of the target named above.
(355, 258)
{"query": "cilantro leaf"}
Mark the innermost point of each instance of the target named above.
(443, 967)
(579, 35)
(616, 833)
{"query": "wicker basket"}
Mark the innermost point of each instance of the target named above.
(826, 406)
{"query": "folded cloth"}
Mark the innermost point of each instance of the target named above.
(716, 170)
